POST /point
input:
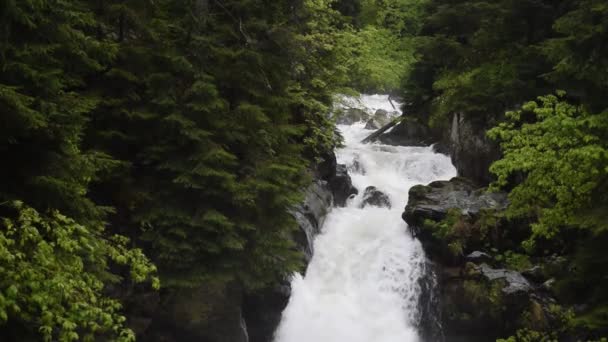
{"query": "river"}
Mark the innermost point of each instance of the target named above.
(362, 284)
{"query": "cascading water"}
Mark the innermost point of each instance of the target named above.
(362, 284)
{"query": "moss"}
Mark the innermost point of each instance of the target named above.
(515, 261)
(419, 191)
(595, 318)
(456, 248)
(486, 297)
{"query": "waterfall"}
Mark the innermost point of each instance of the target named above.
(363, 282)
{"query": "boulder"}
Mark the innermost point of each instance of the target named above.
(380, 118)
(262, 311)
(376, 198)
(337, 178)
(310, 215)
(534, 273)
(433, 201)
(514, 282)
(350, 116)
(208, 312)
(479, 257)
(480, 299)
(408, 132)
(482, 303)
(341, 185)
(471, 150)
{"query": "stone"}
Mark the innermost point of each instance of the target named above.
(341, 185)
(478, 257)
(209, 312)
(350, 116)
(515, 282)
(337, 178)
(374, 197)
(310, 215)
(434, 200)
(534, 273)
(379, 119)
(262, 311)
(408, 132)
(548, 285)
(471, 150)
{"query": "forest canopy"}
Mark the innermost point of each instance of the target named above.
(158, 144)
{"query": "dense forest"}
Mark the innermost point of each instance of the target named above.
(156, 145)
(533, 74)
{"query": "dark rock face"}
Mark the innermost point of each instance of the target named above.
(408, 132)
(311, 214)
(341, 185)
(481, 303)
(433, 201)
(337, 177)
(429, 305)
(515, 283)
(480, 299)
(209, 312)
(479, 257)
(471, 151)
(262, 311)
(376, 198)
(350, 116)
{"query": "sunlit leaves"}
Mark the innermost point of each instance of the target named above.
(560, 150)
(52, 273)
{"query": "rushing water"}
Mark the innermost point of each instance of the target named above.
(362, 282)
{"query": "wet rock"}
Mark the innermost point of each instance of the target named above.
(549, 285)
(471, 150)
(350, 116)
(310, 215)
(408, 132)
(534, 273)
(208, 312)
(262, 311)
(374, 197)
(515, 283)
(478, 257)
(380, 118)
(337, 178)
(479, 301)
(341, 185)
(433, 201)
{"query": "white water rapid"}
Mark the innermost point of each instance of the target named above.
(362, 282)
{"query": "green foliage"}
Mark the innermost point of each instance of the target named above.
(561, 323)
(478, 58)
(187, 126)
(52, 275)
(515, 261)
(561, 151)
(376, 53)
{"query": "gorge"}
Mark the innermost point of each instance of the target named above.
(363, 282)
